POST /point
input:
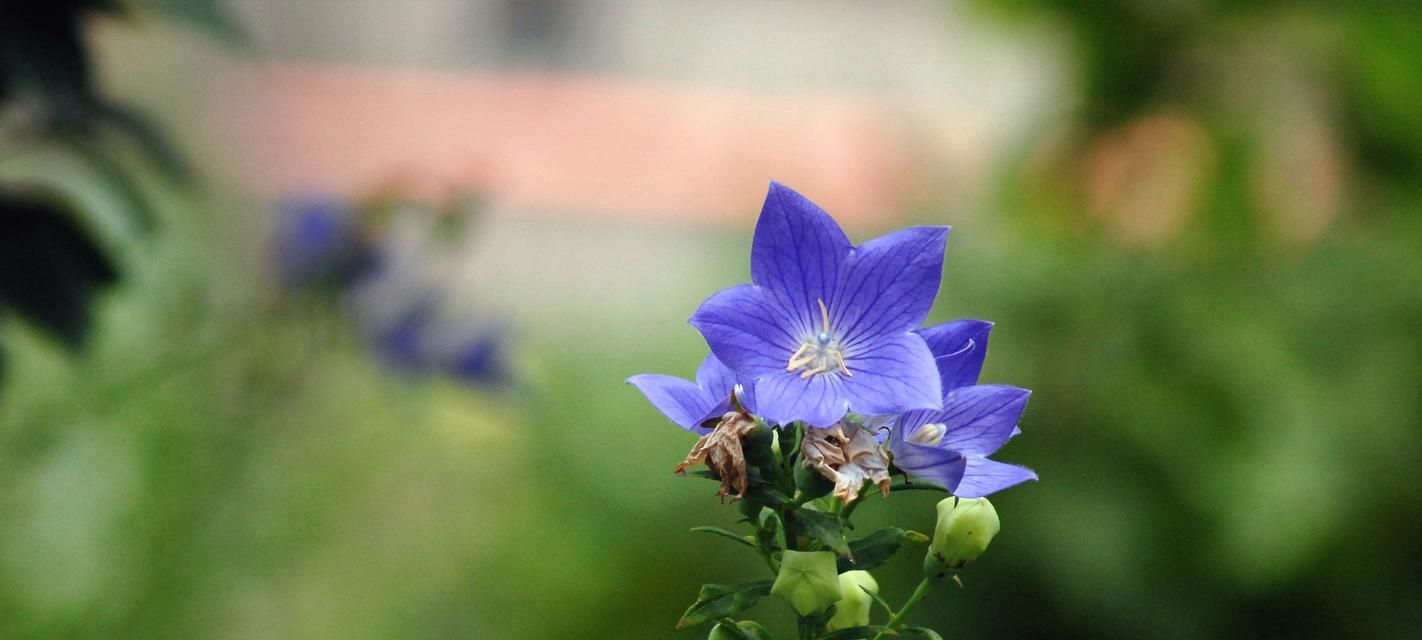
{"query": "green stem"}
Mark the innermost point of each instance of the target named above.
(791, 544)
(807, 629)
(924, 586)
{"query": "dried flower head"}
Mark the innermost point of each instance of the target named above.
(723, 453)
(848, 456)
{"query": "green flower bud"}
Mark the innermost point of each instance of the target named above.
(852, 610)
(808, 581)
(965, 527)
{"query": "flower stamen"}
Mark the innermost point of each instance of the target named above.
(819, 353)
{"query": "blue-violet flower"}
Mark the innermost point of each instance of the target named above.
(825, 327)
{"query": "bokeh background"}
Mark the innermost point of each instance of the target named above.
(315, 315)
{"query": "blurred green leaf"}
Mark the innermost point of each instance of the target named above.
(207, 15)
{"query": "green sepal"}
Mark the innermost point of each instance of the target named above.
(717, 601)
(820, 526)
(876, 548)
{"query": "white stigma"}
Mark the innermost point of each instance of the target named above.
(819, 353)
(928, 435)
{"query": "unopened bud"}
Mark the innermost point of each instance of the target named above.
(965, 527)
(808, 581)
(853, 608)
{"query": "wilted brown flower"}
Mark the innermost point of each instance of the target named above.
(848, 456)
(722, 452)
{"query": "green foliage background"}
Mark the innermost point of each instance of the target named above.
(1227, 425)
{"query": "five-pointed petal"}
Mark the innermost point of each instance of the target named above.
(826, 328)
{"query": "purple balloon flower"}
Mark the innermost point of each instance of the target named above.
(692, 404)
(949, 447)
(826, 328)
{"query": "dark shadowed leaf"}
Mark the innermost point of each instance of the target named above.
(717, 601)
(876, 548)
(49, 270)
(820, 526)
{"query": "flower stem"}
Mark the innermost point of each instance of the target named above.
(924, 586)
(807, 629)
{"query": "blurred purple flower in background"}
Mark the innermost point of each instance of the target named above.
(395, 281)
(825, 327)
(318, 243)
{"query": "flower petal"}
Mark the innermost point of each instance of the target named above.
(892, 375)
(983, 477)
(745, 332)
(716, 381)
(930, 464)
(959, 348)
(715, 378)
(796, 255)
(888, 284)
(784, 397)
(981, 418)
(679, 400)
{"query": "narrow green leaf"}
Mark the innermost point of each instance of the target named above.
(745, 540)
(821, 526)
(717, 601)
(879, 600)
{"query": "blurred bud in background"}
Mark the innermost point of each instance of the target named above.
(392, 265)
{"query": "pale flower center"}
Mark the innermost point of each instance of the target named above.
(928, 435)
(820, 352)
